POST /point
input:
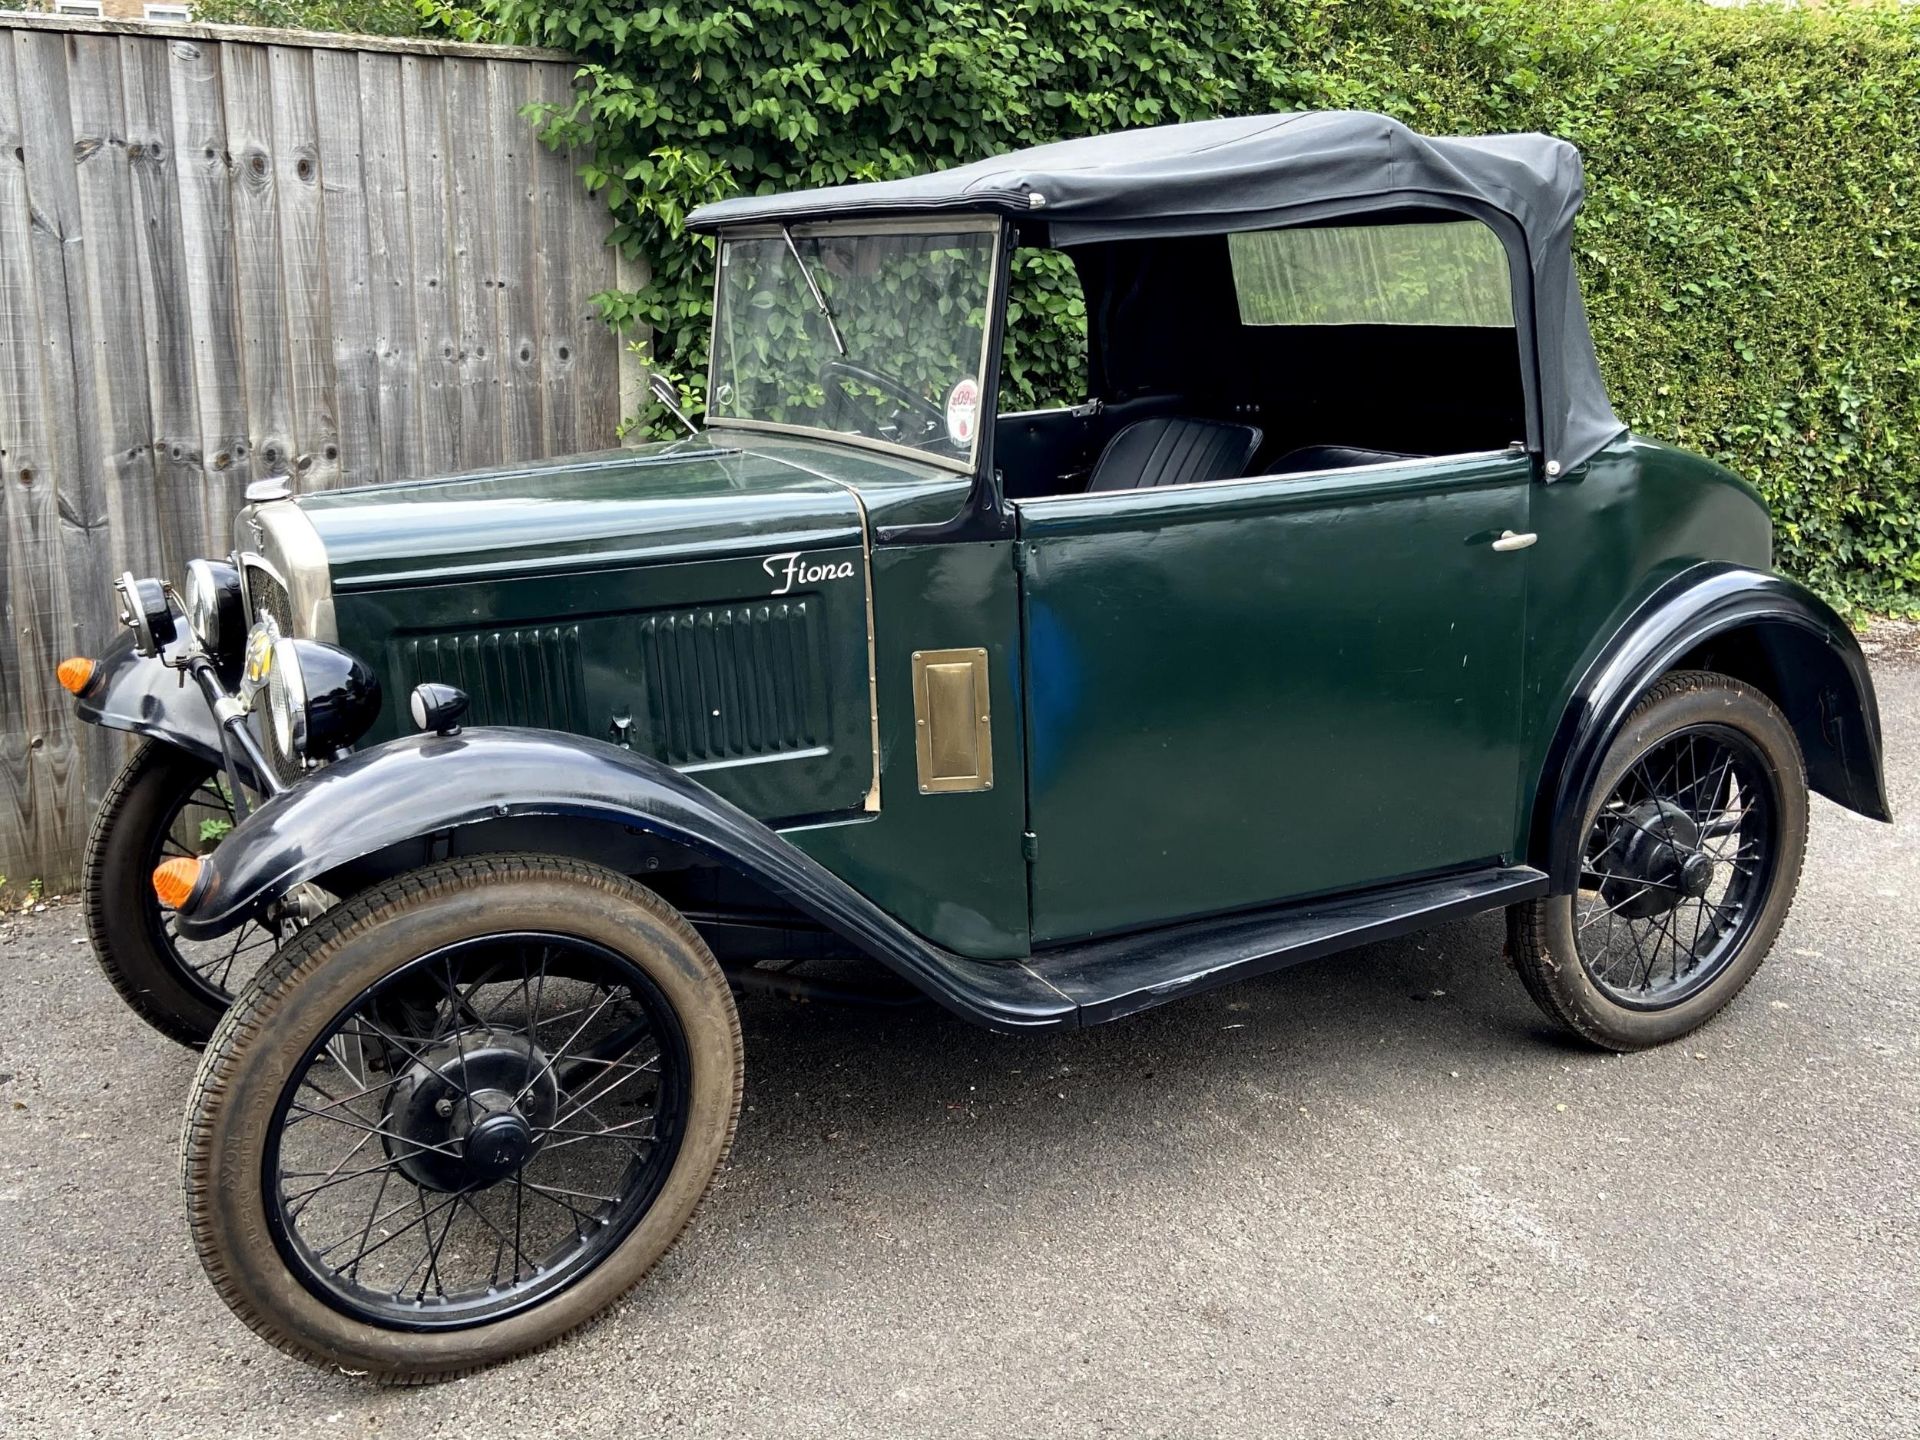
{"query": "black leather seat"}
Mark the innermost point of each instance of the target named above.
(1333, 457)
(1173, 450)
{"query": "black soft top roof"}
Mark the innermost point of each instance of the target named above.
(1252, 172)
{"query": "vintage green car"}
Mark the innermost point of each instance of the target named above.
(1342, 605)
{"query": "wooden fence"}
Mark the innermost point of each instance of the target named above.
(227, 254)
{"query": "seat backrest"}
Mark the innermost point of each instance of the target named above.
(1333, 457)
(1173, 450)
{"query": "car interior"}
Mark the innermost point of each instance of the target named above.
(1223, 357)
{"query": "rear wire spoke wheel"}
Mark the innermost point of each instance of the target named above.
(164, 803)
(1689, 857)
(425, 1140)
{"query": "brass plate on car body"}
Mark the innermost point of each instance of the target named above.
(952, 721)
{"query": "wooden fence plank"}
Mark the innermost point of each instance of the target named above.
(70, 381)
(476, 258)
(424, 95)
(597, 387)
(303, 267)
(554, 186)
(383, 171)
(160, 259)
(246, 93)
(628, 398)
(336, 95)
(202, 163)
(38, 755)
(25, 509)
(74, 616)
(115, 312)
(123, 421)
(519, 345)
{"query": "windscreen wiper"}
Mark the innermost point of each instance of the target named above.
(806, 273)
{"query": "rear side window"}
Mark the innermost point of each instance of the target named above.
(1445, 273)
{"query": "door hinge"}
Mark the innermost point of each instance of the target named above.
(1030, 846)
(1022, 556)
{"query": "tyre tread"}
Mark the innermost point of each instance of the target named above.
(101, 890)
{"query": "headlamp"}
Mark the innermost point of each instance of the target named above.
(145, 610)
(319, 699)
(215, 612)
(287, 701)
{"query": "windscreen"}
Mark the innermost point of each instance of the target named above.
(874, 335)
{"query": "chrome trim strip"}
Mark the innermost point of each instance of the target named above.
(1418, 463)
(873, 657)
(873, 653)
(291, 550)
(885, 447)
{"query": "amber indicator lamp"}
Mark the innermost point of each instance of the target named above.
(75, 673)
(173, 880)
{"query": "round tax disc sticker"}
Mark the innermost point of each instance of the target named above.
(963, 411)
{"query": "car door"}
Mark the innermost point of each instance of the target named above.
(1256, 690)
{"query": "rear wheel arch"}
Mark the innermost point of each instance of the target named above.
(1810, 681)
(1757, 628)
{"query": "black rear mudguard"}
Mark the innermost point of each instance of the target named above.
(1757, 627)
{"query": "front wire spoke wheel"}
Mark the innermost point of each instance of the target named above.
(459, 1140)
(477, 1161)
(1688, 862)
(164, 803)
(220, 966)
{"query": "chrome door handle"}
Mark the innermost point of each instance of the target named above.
(1513, 540)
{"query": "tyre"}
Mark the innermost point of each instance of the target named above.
(460, 1115)
(163, 802)
(1690, 855)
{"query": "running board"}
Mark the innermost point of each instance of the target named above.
(1107, 979)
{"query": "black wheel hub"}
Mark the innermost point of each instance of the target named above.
(500, 1144)
(472, 1110)
(1659, 865)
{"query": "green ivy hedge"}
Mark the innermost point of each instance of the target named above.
(1750, 248)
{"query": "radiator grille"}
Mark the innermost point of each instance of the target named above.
(513, 677)
(267, 597)
(728, 681)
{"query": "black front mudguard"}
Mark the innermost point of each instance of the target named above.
(141, 695)
(389, 797)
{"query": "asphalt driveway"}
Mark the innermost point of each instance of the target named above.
(1371, 1195)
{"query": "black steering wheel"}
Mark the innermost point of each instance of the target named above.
(909, 400)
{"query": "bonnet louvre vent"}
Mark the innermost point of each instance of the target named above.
(513, 677)
(730, 681)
